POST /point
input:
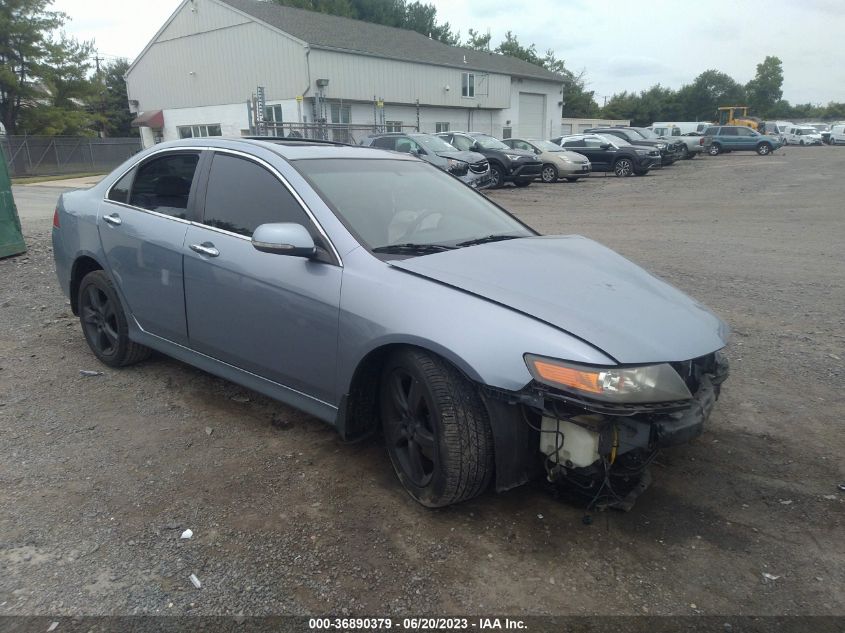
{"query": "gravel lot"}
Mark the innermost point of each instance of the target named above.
(100, 475)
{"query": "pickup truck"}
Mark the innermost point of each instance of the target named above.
(692, 140)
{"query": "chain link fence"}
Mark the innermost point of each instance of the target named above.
(57, 155)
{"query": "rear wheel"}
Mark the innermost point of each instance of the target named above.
(104, 324)
(715, 149)
(764, 149)
(623, 167)
(832, 141)
(801, 142)
(549, 173)
(436, 428)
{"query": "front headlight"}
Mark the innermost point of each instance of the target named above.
(661, 146)
(454, 164)
(624, 385)
(642, 152)
(513, 156)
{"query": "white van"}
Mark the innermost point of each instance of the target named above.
(679, 128)
(837, 134)
(802, 135)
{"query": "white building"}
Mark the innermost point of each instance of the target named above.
(197, 75)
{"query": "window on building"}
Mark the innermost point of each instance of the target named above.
(341, 113)
(393, 126)
(468, 85)
(507, 132)
(242, 195)
(198, 131)
(273, 113)
(164, 184)
(441, 127)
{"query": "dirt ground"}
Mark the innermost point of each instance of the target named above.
(100, 475)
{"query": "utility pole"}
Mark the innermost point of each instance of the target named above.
(102, 106)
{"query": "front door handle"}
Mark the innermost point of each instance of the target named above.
(206, 248)
(113, 219)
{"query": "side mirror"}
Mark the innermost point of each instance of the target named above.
(284, 238)
(475, 147)
(605, 146)
(418, 152)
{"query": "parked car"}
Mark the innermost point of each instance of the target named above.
(687, 146)
(730, 138)
(557, 161)
(802, 135)
(837, 134)
(610, 153)
(373, 291)
(669, 152)
(506, 164)
(470, 167)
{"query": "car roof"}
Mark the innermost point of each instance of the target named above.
(289, 149)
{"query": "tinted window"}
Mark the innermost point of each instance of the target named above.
(406, 145)
(385, 142)
(164, 184)
(729, 131)
(744, 131)
(711, 131)
(242, 195)
(120, 190)
(576, 143)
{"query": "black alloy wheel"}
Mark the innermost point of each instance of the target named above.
(436, 428)
(104, 324)
(623, 167)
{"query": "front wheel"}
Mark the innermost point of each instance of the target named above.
(104, 324)
(623, 167)
(715, 149)
(549, 173)
(764, 149)
(436, 429)
(832, 141)
(497, 176)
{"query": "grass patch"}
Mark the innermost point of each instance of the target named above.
(31, 180)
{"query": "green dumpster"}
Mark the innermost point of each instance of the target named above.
(11, 239)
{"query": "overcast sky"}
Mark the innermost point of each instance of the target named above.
(621, 45)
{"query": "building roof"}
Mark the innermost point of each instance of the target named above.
(325, 31)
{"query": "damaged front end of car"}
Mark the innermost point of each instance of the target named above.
(599, 428)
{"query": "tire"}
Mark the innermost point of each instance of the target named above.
(832, 141)
(497, 176)
(689, 155)
(801, 142)
(104, 324)
(436, 428)
(522, 183)
(715, 149)
(764, 149)
(623, 167)
(549, 173)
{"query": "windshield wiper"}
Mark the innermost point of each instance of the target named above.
(412, 248)
(489, 238)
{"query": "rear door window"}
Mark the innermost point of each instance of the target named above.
(241, 195)
(463, 143)
(120, 190)
(164, 184)
(729, 131)
(385, 142)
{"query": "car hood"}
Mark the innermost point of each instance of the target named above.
(585, 289)
(467, 157)
(574, 157)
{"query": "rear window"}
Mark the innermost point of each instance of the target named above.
(711, 131)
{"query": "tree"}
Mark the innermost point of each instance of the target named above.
(477, 41)
(115, 101)
(422, 18)
(766, 89)
(25, 26)
(701, 99)
(511, 46)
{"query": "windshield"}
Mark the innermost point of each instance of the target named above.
(645, 132)
(808, 130)
(488, 142)
(388, 202)
(547, 146)
(433, 143)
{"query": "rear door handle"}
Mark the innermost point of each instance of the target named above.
(206, 248)
(113, 219)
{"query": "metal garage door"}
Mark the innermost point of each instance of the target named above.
(532, 114)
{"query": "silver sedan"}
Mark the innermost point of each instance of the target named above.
(377, 293)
